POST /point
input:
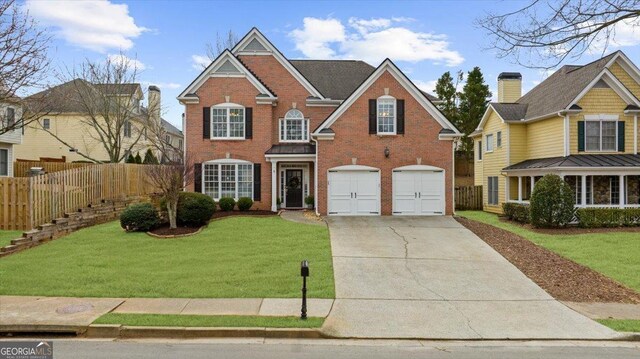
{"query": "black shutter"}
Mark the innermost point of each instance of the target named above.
(581, 140)
(248, 122)
(197, 177)
(206, 122)
(400, 117)
(256, 181)
(373, 117)
(621, 136)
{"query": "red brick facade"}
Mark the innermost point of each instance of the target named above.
(352, 138)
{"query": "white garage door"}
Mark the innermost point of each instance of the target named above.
(354, 192)
(418, 190)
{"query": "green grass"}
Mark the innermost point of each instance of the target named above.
(621, 325)
(7, 236)
(614, 254)
(178, 320)
(237, 257)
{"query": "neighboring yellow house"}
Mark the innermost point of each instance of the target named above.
(64, 131)
(581, 123)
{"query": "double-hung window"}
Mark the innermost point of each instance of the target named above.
(489, 141)
(386, 109)
(479, 150)
(227, 121)
(226, 179)
(499, 139)
(492, 190)
(294, 127)
(601, 136)
(4, 162)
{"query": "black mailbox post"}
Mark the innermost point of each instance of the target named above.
(304, 272)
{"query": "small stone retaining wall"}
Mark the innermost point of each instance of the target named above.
(102, 212)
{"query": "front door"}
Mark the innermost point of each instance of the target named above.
(293, 184)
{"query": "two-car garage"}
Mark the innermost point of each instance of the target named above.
(356, 190)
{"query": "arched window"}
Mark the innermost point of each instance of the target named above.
(227, 121)
(294, 127)
(386, 115)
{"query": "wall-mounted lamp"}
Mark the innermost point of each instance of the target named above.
(387, 152)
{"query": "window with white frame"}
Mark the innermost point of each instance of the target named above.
(492, 190)
(227, 121)
(489, 142)
(386, 106)
(233, 180)
(46, 123)
(294, 127)
(601, 135)
(499, 139)
(4, 162)
(479, 150)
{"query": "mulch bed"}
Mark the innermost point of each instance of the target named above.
(562, 278)
(570, 230)
(180, 231)
(221, 214)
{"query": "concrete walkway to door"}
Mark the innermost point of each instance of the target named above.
(429, 277)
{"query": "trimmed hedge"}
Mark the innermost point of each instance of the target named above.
(244, 203)
(517, 212)
(140, 217)
(608, 217)
(194, 209)
(227, 204)
(552, 204)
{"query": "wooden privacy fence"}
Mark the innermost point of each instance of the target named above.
(30, 201)
(468, 197)
(22, 168)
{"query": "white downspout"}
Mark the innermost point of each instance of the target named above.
(315, 176)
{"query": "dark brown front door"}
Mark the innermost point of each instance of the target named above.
(293, 184)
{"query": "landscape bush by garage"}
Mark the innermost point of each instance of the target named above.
(516, 212)
(245, 203)
(608, 217)
(194, 209)
(552, 203)
(227, 204)
(139, 217)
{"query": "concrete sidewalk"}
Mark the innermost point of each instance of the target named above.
(73, 313)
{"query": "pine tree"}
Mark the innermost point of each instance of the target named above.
(474, 99)
(446, 92)
(150, 158)
(138, 158)
(130, 159)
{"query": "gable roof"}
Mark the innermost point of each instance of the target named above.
(510, 112)
(388, 65)
(170, 128)
(335, 79)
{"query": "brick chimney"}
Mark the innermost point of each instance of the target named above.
(155, 103)
(509, 87)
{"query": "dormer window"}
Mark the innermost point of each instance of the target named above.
(227, 121)
(386, 124)
(294, 127)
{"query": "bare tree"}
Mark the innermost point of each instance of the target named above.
(545, 32)
(108, 97)
(170, 179)
(23, 62)
(222, 43)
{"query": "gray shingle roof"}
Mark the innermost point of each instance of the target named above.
(510, 111)
(292, 149)
(618, 160)
(558, 90)
(170, 128)
(335, 79)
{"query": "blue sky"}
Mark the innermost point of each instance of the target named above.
(168, 37)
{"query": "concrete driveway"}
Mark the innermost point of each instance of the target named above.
(429, 277)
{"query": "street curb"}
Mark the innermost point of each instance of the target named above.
(42, 328)
(131, 332)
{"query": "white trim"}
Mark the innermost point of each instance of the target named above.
(395, 115)
(282, 126)
(626, 65)
(297, 157)
(209, 72)
(256, 34)
(310, 102)
(420, 168)
(227, 161)
(635, 134)
(389, 66)
(508, 146)
(600, 119)
(613, 82)
(228, 106)
(486, 139)
(566, 136)
(353, 168)
(282, 173)
(220, 163)
(485, 117)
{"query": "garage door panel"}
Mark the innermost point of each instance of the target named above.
(418, 192)
(354, 193)
(404, 192)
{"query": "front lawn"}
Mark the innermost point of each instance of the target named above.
(7, 236)
(238, 257)
(621, 325)
(614, 254)
(228, 321)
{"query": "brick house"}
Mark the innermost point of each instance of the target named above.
(360, 140)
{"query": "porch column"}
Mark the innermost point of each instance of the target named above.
(274, 185)
(583, 200)
(519, 188)
(622, 191)
(533, 183)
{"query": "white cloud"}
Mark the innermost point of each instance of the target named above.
(372, 40)
(623, 33)
(97, 25)
(200, 62)
(166, 85)
(428, 86)
(315, 38)
(123, 60)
